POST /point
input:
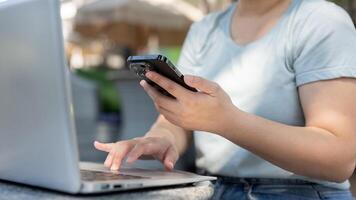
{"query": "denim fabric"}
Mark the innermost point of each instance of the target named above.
(276, 189)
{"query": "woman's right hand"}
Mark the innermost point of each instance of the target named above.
(160, 148)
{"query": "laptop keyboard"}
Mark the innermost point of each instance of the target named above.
(88, 175)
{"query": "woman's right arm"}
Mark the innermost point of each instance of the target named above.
(164, 142)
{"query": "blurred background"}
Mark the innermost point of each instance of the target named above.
(99, 36)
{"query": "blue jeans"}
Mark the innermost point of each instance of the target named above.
(276, 189)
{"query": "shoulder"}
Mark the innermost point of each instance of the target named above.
(323, 14)
(323, 42)
(316, 21)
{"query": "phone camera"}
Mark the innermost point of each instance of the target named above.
(141, 73)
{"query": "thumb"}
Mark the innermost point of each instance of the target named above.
(170, 159)
(201, 84)
(102, 146)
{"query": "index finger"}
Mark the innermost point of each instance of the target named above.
(102, 146)
(170, 86)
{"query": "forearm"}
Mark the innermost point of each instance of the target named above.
(308, 151)
(177, 135)
(324, 149)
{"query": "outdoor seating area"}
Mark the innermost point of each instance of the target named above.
(102, 34)
(204, 130)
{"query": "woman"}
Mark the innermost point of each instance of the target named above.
(274, 117)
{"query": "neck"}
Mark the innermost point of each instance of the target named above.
(257, 7)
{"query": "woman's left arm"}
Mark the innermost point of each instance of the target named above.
(324, 149)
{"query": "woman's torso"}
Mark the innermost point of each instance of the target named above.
(259, 78)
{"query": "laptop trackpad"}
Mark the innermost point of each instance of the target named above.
(90, 170)
(91, 175)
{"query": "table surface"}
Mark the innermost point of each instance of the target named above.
(204, 190)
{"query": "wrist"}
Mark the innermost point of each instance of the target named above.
(178, 137)
(229, 121)
(161, 132)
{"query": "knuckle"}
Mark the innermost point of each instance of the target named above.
(137, 139)
(158, 100)
(215, 87)
(148, 145)
(143, 144)
(134, 142)
(150, 139)
(139, 143)
(197, 79)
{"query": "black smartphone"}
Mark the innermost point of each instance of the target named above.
(160, 64)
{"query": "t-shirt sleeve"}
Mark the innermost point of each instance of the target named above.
(188, 62)
(325, 46)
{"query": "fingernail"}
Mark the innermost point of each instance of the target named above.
(114, 167)
(142, 83)
(149, 75)
(170, 165)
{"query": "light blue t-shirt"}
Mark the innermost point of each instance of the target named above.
(314, 40)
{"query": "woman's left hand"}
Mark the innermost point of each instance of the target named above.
(210, 109)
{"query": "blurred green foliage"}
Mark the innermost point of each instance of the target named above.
(107, 93)
(172, 53)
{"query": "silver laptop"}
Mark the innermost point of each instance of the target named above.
(37, 133)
